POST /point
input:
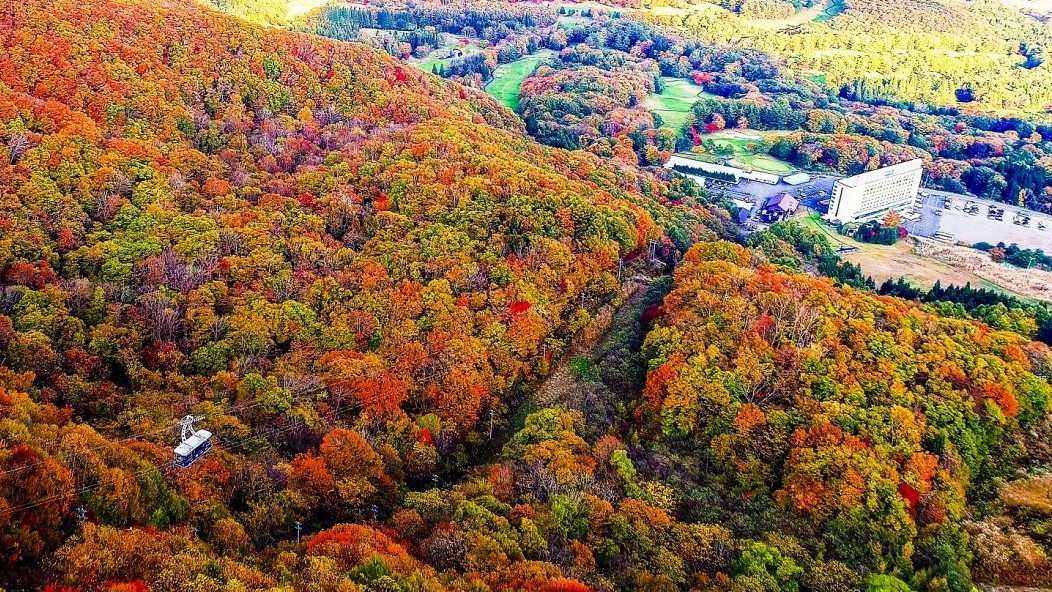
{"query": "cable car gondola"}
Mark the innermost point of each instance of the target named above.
(195, 443)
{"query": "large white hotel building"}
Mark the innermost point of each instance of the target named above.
(874, 193)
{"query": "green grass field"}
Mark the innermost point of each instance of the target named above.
(567, 22)
(816, 14)
(818, 78)
(740, 148)
(427, 64)
(507, 80)
(764, 163)
(675, 101)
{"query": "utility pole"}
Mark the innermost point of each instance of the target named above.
(491, 414)
(620, 266)
(299, 527)
(376, 512)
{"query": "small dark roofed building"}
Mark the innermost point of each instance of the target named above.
(743, 215)
(778, 207)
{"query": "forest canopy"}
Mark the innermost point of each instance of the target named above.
(366, 282)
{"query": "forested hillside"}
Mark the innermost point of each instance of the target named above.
(845, 427)
(270, 12)
(367, 282)
(937, 51)
(286, 235)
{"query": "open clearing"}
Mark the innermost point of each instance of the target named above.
(674, 102)
(817, 77)
(433, 59)
(677, 10)
(815, 14)
(298, 7)
(507, 79)
(740, 148)
(568, 21)
(1028, 283)
(764, 163)
(882, 262)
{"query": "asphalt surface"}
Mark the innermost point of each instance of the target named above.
(756, 193)
(934, 218)
(928, 223)
(971, 228)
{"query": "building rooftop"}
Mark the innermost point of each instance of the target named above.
(875, 175)
(783, 202)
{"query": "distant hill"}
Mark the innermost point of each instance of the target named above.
(265, 12)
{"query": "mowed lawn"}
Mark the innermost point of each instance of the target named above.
(567, 22)
(675, 101)
(817, 14)
(427, 64)
(507, 80)
(739, 148)
(767, 164)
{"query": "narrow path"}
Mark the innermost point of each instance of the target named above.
(617, 321)
(555, 390)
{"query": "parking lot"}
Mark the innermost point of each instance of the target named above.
(973, 225)
(935, 220)
(755, 193)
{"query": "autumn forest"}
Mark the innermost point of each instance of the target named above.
(443, 345)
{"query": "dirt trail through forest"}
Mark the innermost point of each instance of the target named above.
(612, 319)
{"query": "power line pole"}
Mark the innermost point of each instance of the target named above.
(299, 527)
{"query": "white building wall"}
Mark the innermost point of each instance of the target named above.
(872, 194)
